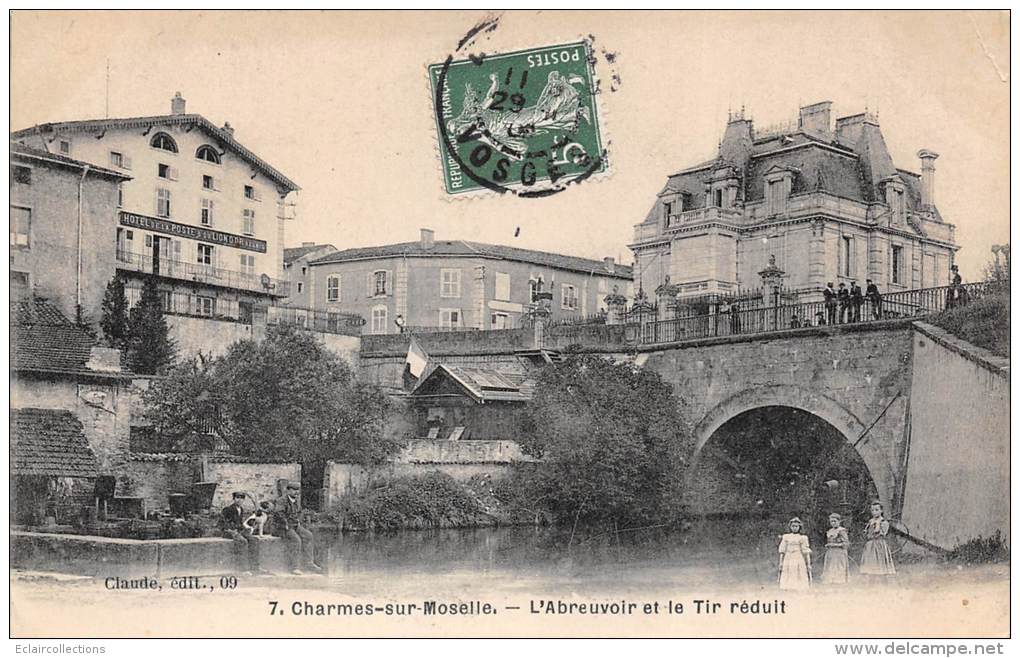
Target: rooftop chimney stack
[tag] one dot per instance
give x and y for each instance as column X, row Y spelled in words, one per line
column 816, row 118
column 428, row 238
column 610, row 264
column 177, row 104
column 307, row 244
column 227, row 128
column 927, row 177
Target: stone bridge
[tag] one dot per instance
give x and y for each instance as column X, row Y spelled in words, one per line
column 875, row 383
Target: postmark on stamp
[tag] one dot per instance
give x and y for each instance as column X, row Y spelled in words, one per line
column 523, row 122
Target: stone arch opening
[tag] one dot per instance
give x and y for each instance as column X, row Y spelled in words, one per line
column 781, row 451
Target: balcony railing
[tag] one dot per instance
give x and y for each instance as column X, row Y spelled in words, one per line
column 207, row 274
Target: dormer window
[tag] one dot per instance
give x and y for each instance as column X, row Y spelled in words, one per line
column 717, row 198
column 163, row 142
column 207, row 153
column 778, row 185
column 668, row 211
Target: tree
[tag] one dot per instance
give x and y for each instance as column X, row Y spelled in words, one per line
column 612, row 442
column 150, row 348
column 114, row 321
column 284, row 397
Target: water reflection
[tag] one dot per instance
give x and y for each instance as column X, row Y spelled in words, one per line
column 711, row 551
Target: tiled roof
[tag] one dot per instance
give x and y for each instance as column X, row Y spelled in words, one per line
column 37, row 154
column 479, row 250
column 44, row 340
column 222, row 135
column 50, row 442
column 291, row 254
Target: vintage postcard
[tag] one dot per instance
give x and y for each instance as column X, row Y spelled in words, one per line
column 687, row 324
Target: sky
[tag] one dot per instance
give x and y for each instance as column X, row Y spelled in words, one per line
column 339, row 102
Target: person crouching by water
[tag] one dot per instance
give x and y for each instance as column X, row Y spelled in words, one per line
column 876, row 560
column 246, row 547
column 287, row 525
column 794, row 558
column 836, row 569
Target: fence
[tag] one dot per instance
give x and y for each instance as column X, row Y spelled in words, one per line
column 329, row 322
column 732, row 319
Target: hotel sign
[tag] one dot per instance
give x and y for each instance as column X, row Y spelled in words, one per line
column 191, row 232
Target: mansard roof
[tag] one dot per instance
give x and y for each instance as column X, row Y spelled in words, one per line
column 224, row 137
column 818, row 162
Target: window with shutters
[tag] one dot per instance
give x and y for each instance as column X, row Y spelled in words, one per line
column 162, row 202
column 21, row 226
column 333, row 288
column 379, row 314
column 207, row 212
column 205, row 306
column 569, row 297
column 116, row 159
column 502, row 286
column 449, row 318
column 379, row 283
column 248, row 264
column 208, row 183
column 205, row 254
column 248, row 217
column 501, row 321
column 249, row 193
column 449, row 282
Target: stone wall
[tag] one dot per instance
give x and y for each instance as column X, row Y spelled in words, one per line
column 957, row 485
column 461, row 460
column 214, row 337
column 103, row 407
column 153, row 477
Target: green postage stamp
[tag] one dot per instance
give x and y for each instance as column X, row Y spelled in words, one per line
column 523, row 122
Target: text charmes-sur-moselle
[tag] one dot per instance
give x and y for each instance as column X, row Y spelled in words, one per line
column 535, row 607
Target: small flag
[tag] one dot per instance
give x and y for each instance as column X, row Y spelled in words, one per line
column 417, row 359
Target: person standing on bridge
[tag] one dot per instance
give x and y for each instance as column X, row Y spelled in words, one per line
column 876, row 560
column 856, row 302
column 874, row 298
column 843, row 296
column 830, row 304
column 795, row 558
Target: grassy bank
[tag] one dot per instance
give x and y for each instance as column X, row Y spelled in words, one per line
column 983, row 322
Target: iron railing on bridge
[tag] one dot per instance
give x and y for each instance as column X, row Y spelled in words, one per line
column 732, row 319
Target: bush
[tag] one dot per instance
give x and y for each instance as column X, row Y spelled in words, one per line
column 435, row 500
column 983, row 322
column 981, row 550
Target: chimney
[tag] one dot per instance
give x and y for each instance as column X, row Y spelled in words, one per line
column 815, row 118
column 610, row 264
column 307, row 244
column 848, row 129
column 227, row 128
column 428, row 238
column 177, row 104
column 927, row 177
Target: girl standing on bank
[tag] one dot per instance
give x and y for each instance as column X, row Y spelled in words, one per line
column 876, row 560
column 794, row 558
column 836, row 569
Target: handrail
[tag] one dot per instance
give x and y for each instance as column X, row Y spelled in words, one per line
column 209, row 274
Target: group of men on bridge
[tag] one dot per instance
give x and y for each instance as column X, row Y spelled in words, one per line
column 844, row 305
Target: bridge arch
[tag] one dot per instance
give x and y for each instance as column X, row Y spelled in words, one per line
column 813, row 402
